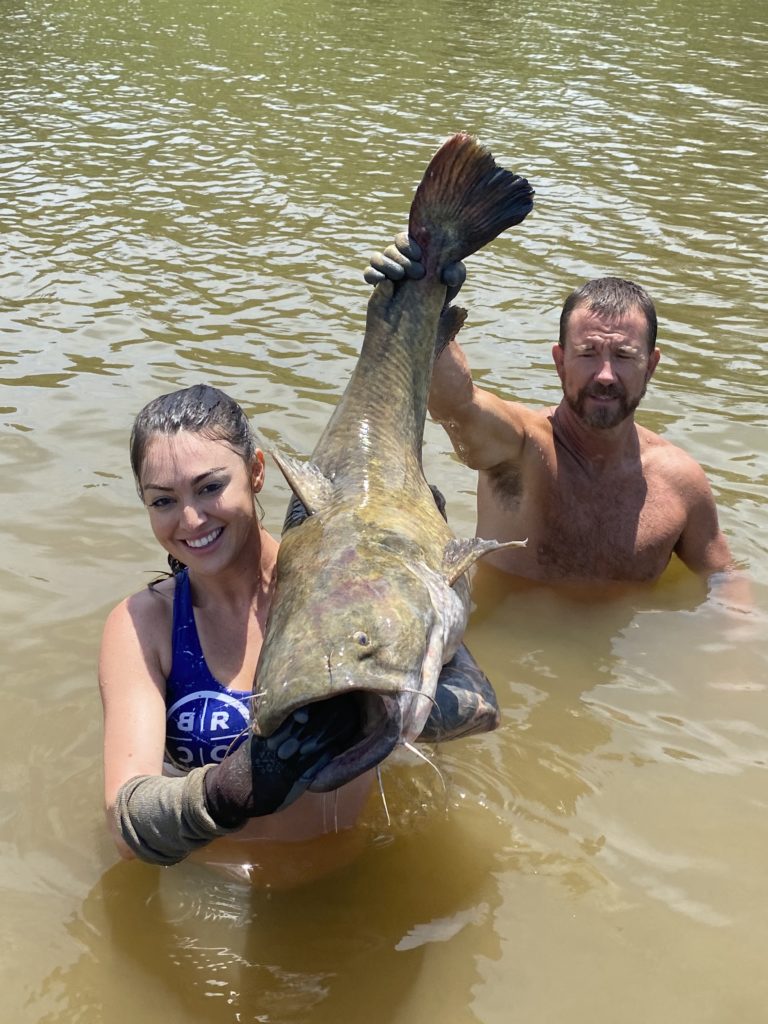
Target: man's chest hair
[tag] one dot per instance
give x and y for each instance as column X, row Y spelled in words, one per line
column 618, row 531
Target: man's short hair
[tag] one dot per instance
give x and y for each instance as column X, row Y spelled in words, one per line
column 613, row 298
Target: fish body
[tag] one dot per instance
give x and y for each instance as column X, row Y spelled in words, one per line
column 372, row 595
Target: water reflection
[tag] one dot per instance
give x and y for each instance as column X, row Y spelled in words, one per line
column 213, row 950
column 593, row 693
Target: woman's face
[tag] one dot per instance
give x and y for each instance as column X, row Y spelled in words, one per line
column 200, row 498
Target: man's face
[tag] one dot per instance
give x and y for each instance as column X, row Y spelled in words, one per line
column 605, row 365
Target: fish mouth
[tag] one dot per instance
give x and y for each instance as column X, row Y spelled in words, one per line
column 372, row 724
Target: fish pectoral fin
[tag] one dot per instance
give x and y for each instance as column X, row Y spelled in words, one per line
column 448, row 326
column 461, row 555
column 311, row 487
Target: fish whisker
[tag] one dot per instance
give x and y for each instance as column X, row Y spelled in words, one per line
column 253, row 696
column 435, row 705
column 381, row 794
column 430, row 762
column 236, row 740
column 420, row 693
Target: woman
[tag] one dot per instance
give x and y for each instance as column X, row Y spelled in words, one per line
column 168, row 708
column 181, row 765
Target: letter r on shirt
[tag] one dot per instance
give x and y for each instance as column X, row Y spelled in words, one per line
column 219, row 720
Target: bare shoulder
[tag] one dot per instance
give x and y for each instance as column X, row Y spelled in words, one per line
column 145, row 611
column 701, row 545
column 673, row 465
column 535, row 426
column 137, row 631
column 538, row 419
column 516, row 426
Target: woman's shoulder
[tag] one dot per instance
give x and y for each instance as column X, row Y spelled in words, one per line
column 146, row 613
column 137, row 637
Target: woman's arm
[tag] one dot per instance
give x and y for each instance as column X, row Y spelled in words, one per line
column 150, row 816
column 161, row 819
column 132, row 684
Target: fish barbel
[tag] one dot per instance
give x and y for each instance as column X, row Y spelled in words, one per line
column 372, row 595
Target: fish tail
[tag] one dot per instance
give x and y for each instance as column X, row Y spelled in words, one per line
column 464, row 201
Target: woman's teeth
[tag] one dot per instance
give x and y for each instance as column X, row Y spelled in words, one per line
column 203, row 542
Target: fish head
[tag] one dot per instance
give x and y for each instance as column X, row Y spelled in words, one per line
column 371, row 637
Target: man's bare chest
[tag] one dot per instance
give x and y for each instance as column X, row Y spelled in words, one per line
column 621, row 526
column 611, row 530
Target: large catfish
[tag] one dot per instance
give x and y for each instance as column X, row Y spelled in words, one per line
column 372, row 595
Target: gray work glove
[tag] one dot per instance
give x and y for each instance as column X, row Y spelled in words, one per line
column 163, row 819
column 465, row 702
column 403, row 259
column 266, row 774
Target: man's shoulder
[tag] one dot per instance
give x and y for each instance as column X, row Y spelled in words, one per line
column 536, row 420
column 673, row 463
column 533, row 431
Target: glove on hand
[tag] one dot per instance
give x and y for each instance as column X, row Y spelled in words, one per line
column 266, row 774
column 465, row 702
column 403, row 259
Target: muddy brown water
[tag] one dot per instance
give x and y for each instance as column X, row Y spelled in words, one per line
column 190, row 193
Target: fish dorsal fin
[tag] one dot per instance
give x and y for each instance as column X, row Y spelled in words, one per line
column 461, row 555
column 311, row 487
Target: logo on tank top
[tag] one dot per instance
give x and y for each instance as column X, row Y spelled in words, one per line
column 203, row 727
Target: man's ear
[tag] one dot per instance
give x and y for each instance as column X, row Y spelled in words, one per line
column 653, row 362
column 257, row 471
column 558, row 357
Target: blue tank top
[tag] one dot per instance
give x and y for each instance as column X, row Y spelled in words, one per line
column 204, row 720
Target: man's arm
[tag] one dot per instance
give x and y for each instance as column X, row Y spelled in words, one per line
column 704, row 549
column 484, row 429
column 701, row 545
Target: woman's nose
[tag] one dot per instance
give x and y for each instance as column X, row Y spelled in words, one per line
column 191, row 515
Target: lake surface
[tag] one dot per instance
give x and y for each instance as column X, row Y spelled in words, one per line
column 190, row 193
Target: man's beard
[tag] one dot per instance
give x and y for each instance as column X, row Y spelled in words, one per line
column 602, row 417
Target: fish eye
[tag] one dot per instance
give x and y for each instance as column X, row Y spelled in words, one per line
column 361, row 638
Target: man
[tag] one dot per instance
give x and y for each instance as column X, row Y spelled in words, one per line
column 598, row 496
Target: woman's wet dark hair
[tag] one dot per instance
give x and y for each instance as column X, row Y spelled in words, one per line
column 201, row 409
column 612, row 297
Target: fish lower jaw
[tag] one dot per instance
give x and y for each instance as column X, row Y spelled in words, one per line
column 380, row 733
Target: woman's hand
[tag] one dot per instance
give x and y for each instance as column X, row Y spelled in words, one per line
column 266, row 774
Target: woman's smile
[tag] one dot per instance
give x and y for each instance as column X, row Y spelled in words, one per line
column 206, row 541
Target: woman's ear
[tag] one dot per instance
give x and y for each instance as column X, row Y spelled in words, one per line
column 257, row 471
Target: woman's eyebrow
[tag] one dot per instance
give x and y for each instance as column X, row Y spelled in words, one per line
column 195, row 480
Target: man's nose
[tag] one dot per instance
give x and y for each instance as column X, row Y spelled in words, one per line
column 605, row 374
